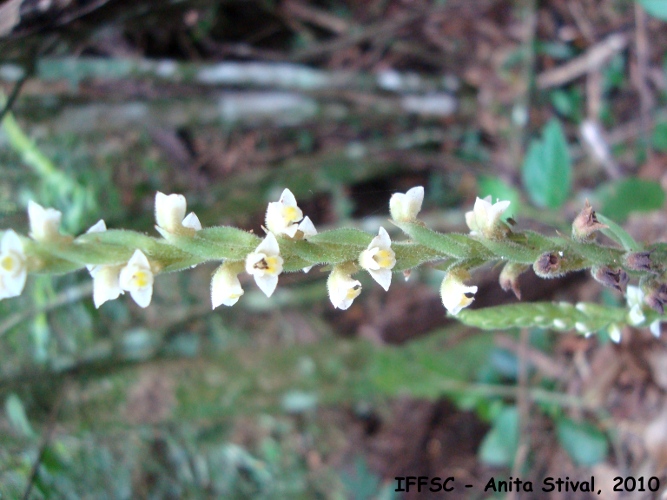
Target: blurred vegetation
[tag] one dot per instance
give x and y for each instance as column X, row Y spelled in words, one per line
column 267, row 399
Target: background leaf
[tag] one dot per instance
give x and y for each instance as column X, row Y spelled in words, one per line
column 620, row 198
column 547, row 168
column 499, row 445
column 657, row 8
column 584, row 442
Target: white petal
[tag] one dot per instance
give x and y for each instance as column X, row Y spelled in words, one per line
column 381, row 241
column 44, row 222
column 307, row 227
column 471, row 221
column 382, row 276
column 225, row 287
column 139, row 259
column 267, row 283
column 655, row 328
column 615, row 334
column 404, row 207
column 342, row 289
column 367, row 261
column 287, row 198
column 269, row 245
column 453, row 293
column 105, row 284
column 192, row 221
column 11, row 243
column 142, row 296
column 169, row 210
column 636, row 316
column 99, row 227
column 634, row 295
column 307, row 269
column 291, row 230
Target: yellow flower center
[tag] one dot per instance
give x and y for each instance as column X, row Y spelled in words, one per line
column 385, row 259
column 353, row 293
column 8, row 263
column 140, row 279
column 291, row 214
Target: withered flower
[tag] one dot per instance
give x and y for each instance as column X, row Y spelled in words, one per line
column 613, row 278
column 586, row 223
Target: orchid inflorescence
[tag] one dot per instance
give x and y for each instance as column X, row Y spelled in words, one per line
column 122, row 261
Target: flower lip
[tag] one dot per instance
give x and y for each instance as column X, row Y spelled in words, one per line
column 404, row 207
column 283, row 216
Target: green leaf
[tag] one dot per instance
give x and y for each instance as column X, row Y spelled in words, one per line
column 618, row 234
column 584, row 442
column 444, row 243
column 547, row 168
column 657, row 8
column 216, row 243
column 500, row 443
column 17, row 417
column 343, row 236
column 620, row 198
column 659, row 137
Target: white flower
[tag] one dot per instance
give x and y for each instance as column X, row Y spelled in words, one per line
column 484, row 218
column 635, row 299
column 342, row 288
column 455, row 294
column 44, row 222
column 13, row 270
column 615, row 334
column 106, row 284
column 170, row 215
column 225, row 285
column 404, row 207
column 283, row 215
column 265, row 264
column 137, row 278
column 379, row 259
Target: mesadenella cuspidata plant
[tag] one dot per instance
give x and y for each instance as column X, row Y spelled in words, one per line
column 122, row 261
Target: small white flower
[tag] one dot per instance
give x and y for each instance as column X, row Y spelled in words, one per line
column 635, row 299
column 404, row 207
column 225, row 285
column 342, row 288
column 13, row 270
column 282, row 216
column 455, row 294
column 170, row 215
column 137, row 278
column 106, row 284
column 265, row 264
column 379, row 259
column 484, row 218
column 44, row 222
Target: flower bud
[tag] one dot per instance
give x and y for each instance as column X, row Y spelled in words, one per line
column 404, row 207
column 548, row 265
column 613, row 278
column 509, row 277
column 655, row 294
column 638, row 261
column 585, row 224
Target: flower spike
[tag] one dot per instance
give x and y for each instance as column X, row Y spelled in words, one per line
column 379, row 259
column 265, row 264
